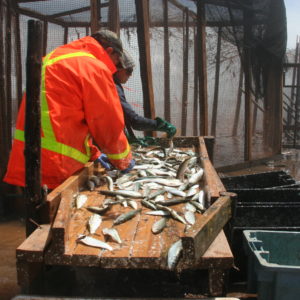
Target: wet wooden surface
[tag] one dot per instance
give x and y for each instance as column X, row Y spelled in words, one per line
column 204, row 243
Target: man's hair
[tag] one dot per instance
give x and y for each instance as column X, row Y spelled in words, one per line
column 108, row 38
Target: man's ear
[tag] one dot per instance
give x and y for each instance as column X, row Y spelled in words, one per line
column 109, row 50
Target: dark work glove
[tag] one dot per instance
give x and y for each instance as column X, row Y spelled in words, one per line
column 103, row 159
column 130, row 167
column 165, row 126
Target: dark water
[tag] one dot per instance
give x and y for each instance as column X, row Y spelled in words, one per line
column 12, row 233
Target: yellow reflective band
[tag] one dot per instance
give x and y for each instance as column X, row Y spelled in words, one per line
column 69, row 55
column 120, row 155
column 87, row 146
column 45, row 118
column 54, row 146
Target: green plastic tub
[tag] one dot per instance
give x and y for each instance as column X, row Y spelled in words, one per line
column 273, row 264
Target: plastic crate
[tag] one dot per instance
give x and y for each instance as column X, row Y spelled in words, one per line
column 270, row 179
column 273, row 264
column 263, row 180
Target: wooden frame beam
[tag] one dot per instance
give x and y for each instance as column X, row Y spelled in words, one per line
column 142, row 12
column 114, row 16
column 95, row 15
column 201, row 41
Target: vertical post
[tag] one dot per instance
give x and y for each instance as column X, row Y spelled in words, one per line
column 32, row 149
column 8, row 63
column 66, row 33
column 201, row 40
column 167, row 103
column 185, row 73
column 239, row 101
column 297, row 107
column 254, row 118
column 95, row 15
column 290, row 109
column 216, row 91
column 18, row 64
column 45, row 37
column 145, row 59
column 3, row 126
column 114, row 16
column 195, row 110
column 247, row 70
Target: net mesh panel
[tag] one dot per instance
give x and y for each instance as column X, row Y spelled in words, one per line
column 266, row 42
column 291, row 102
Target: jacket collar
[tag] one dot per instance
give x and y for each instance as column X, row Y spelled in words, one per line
column 90, row 45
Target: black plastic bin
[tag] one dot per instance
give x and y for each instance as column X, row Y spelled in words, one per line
column 265, row 201
column 264, row 180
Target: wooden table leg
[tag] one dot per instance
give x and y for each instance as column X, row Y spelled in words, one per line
column 216, row 278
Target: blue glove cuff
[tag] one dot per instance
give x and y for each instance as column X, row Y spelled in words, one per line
column 103, row 159
column 130, row 167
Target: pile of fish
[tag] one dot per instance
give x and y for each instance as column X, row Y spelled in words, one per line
column 160, row 179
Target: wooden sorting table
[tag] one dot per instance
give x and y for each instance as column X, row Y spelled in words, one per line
column 204, row 244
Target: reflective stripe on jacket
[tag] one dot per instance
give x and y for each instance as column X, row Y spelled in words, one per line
column 78, row 100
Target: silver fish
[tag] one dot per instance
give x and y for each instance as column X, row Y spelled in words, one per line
column 90, row 185
column 159, row 225
column 190, row 217
column 98, row 209
column 95, row 179
column 148, row 204
column 109, row 181
column 196, row 177
column 94, row 222
column 192, row 190
column 132, row 204
column 80, row 200
column 173, row 201
column 182, row 168
column 184, row 186
column 157, row 213
column 155, row 194
column 142, row 173
column 124, row 193
column 90, row 241
column 200, row 207
column 168, row 182
column 125, row 178
column 174, row 191
column 201, row 199
column 159, row 198
column 113, row 233
column 173, row 213
column 190, row 207
column 126, row 216
column 174, row 254
column 147, row 166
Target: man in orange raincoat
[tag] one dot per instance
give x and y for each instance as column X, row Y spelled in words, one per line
column 76, row 81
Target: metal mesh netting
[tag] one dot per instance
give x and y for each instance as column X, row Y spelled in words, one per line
column 174, row 64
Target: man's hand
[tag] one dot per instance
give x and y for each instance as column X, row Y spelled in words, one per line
column 165, row 126
column 103, row 159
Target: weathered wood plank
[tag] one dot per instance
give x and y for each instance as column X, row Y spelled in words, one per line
column 146, row 247
column 199, row 237
column 60, row 228
column 211, row 178
column 218, row 254
column 32, row 249
column 73, row 183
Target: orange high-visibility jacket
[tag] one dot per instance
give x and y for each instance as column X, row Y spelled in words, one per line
column 78, row 101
